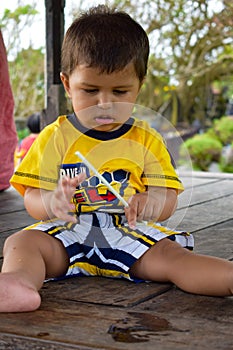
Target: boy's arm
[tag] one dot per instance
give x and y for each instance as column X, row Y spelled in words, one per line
column 43, row 205
column 156, row 204
column 37, row 203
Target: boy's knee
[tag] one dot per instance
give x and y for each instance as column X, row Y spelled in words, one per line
column 167, row 248
column 9, row 242
column 15, row 239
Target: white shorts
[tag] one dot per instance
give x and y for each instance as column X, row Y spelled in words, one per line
column 102, row 244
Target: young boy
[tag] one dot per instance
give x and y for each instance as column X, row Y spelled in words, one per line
column 104, row 63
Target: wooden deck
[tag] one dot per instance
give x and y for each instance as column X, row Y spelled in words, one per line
column 99, row 313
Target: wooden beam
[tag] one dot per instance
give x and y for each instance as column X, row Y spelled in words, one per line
column 55, row 103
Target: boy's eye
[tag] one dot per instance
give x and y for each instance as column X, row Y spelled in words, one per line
column 91, row 91
column 120, row 92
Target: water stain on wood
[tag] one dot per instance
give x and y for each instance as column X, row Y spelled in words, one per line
column 138, row 327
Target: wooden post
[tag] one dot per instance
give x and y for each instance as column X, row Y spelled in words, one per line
column 55, row 102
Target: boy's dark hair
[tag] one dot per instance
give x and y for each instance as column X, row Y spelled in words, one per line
column 33, row 123
column 106, row 39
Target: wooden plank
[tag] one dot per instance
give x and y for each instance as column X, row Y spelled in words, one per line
column 98, row 313
column 3, row 237
column 192, row 181
column 204, row 175
column 15, row 221
column 13, row 216
column 204, row 193
column 10, row 201
column 16, row 342
column 174, row 320
column 208, row 174
column 200, row 322
column 202, row 215
column 216, row 240
column 82, row 325
column 104, row 291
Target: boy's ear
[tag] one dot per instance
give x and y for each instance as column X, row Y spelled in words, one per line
column 65, row 82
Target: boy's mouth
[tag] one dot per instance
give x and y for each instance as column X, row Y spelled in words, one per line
column 103, row 120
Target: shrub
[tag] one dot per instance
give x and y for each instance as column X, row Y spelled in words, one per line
column 222, row 129
column 226, row 162
column 203, row 150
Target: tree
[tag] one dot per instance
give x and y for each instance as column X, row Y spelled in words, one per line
column 27, row 79
column 26, row 66
column 191, row 48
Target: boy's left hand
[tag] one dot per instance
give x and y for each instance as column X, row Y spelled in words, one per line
column 153, row 205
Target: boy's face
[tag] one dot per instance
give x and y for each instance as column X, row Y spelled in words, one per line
column 112, row 96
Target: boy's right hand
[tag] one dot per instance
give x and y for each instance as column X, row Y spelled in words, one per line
column 60, row 201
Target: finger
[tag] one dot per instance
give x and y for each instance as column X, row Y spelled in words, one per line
column 68, row 188
column 64, row 184
column 131, row 212
column 77, row 180
column 63, row 209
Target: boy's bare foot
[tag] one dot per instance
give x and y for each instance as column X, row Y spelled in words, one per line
column 15, row 295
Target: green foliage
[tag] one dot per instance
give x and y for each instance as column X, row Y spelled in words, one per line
column 14, row 23
column 20, row 14
column 203, row 150
column 26, row 66
column 192, row 46
column 216, row 145
column 222, row 130
column 27, row 80
column 22, row 133
column 226, row 168
column 226, row 163
column 17, row 13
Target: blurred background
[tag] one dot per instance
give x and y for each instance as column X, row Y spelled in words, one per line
column 190, row 75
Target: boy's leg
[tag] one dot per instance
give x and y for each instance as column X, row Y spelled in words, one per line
column 29, row 257
column 199, row 274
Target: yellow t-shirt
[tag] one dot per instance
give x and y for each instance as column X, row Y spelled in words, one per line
column 130, row 158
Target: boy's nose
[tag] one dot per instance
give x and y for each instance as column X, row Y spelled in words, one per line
column 105, row 101
column 105, row 106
